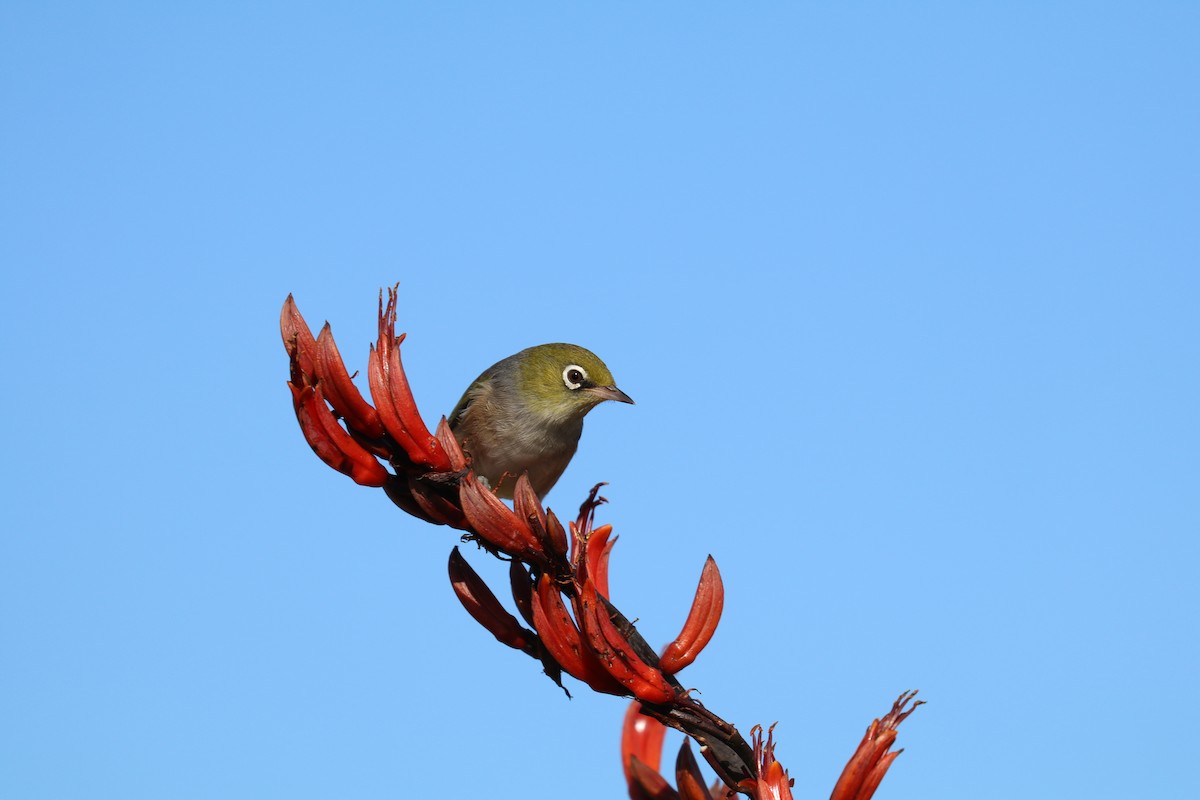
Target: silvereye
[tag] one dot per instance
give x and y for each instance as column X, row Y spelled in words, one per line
column 525, row 413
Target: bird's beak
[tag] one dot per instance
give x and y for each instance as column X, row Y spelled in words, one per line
column 610, row 393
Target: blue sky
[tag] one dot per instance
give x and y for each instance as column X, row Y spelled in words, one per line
column 907, row 299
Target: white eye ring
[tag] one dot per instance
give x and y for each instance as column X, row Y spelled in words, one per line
column 574, row 376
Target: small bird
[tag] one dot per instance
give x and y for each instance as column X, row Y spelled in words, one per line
column 525, row 413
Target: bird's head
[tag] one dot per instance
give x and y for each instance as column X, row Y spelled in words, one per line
column 564, row 381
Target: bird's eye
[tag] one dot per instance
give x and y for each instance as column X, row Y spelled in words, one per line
column 574, row 376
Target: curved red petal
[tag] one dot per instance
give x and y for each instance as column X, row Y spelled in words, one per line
column 701, row 622
column 596, row 553
column 529, row 509
column 388, row 416
column 437, row 508
column 866, row 768
column 481, row 603
column 557, row 536
column 299, row 343
column 774, row 783
column 340, row 390
column 563, row 642
column 647, row 784
column 521, row 584
column 458, row 460
column 420, row 445
column 689, row 780
column 331, row 442
column 875, row 776
column 641, row 736
column 496, row 523
column 616, row 655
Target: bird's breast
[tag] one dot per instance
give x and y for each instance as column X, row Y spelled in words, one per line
column 518, row 444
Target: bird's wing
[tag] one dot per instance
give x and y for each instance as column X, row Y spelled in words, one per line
column 476, row 391
column 460, row 410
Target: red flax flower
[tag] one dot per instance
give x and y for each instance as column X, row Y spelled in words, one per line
column 558, row 574
column 641, row 755
column 871, row 760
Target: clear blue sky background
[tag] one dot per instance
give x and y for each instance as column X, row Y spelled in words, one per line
column 908, row 298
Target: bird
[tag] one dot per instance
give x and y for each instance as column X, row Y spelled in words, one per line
column 524, row 414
